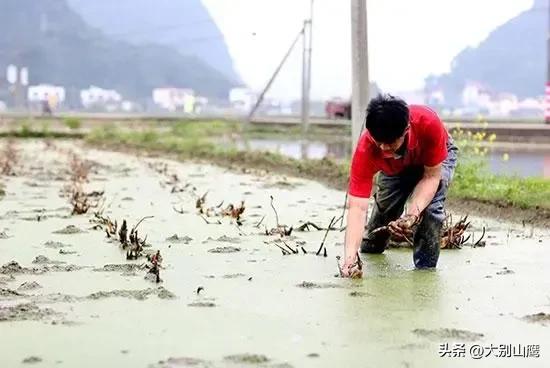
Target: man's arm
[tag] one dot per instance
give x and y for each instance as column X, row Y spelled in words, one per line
column 422, row 196
column 425, row 190
column 357, row 216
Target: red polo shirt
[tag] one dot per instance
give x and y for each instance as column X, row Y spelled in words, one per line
column 426, row 146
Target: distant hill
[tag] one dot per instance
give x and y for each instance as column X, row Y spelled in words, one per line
column 511, row 59
column 59, row 47
column 183, row 24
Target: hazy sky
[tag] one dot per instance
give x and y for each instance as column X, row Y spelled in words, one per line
column 408, row 39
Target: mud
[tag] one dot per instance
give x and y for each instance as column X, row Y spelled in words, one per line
column 246, row 359
column 359, row 294
column 224, row 250
column 32, row 285
column 313, row 285
column 446, row 334
column 25, row 312
column 14, row 268
column 8, row 293
column 542, row 318
column 5, row 279
column 11, row 268
column 160, row 292
column 63, row 268
column 182, row 363
column 69, row 230
column 55, row 298
column 347, row 323
column 234, row 275
column 125, row 267
column 179, row 239
column 202, row 304
column 505, row 271
column 224, row 239
column 281, row 185
column 56, row 245
column 32, row 360
column 412, row 346
column 41, row 259
column 230, row 361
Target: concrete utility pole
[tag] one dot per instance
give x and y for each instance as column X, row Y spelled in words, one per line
column 360, row 68
column 305, row 94
column 309, row 58
column 306, row 69
column 547, row 87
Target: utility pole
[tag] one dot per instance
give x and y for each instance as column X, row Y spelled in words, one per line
column 12, row 76
column 305, row 117
column 306, row 69
column 360, row 68
column 272, row 79
column 547, row 88
column 24, row 83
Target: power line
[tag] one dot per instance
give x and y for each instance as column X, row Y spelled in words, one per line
column 279, row 67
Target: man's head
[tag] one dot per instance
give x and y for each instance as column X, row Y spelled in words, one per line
column 388, row 122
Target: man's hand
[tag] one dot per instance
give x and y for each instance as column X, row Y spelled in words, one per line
column 357, row 215
column 402, row 227
column 353, row 267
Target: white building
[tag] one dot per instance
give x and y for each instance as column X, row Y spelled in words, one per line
column 530, row 107
column 436, row 97
column 96, row 96
column 173, row 99
column 476, row 95
column 242, row 99
column 504, row 104
column 46, row 92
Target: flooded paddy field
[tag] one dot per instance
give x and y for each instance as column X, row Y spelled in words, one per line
column 226, row 295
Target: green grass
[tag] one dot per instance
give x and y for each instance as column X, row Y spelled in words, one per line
column 190, row 143
column 203, row 129
column 42, row 128
column 201, row 140
column 472, row 180
column 25, row 132
column 189, row 129
column 72, row 123
column 314, row 132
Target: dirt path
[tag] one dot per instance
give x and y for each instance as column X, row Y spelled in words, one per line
column 64, row 284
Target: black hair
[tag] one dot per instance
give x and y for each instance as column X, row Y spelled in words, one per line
column 387, row 118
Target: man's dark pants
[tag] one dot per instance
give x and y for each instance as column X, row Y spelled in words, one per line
column 390, row 198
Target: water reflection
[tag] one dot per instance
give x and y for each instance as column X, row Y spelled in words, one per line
column 521, row 163
column 300, row 149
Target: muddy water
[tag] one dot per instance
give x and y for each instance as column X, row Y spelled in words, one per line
column 257, row 307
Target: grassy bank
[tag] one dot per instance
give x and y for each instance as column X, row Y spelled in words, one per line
column 194, row 141
column 42, row 135
column 215, row 142
column 67, row 129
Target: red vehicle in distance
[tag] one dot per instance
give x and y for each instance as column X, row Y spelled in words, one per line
column 338, row 108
